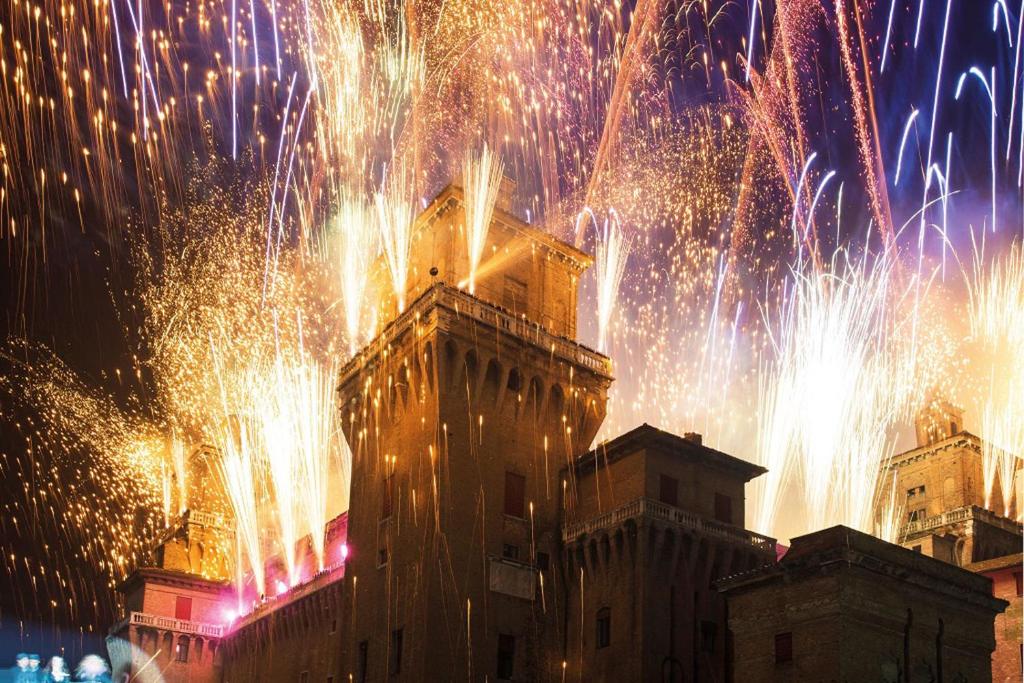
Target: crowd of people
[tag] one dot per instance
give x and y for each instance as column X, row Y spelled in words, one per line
column 28, row 669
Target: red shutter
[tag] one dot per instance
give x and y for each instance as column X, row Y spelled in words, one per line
column 183, row 608
column 515, row 491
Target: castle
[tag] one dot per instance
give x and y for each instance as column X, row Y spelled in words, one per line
column 487, row 538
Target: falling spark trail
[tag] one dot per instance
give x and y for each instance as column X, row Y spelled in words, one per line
column 903, row 143
column 989, row 85
column 888, row 34
column 482, row 176
column 750, row 38
column 255, row 39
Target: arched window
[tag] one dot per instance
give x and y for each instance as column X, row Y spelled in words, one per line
column 181, row 654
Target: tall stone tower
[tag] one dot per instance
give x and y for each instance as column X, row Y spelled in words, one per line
column 460, row 416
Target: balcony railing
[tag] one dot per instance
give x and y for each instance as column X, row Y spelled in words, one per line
column 327, row 575
column 958, row 516
column 197, row 628
column 652, row 509
column 464, row 304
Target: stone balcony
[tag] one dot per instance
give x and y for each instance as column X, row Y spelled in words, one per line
column 968, row 513
column 154, row 621
column 649, row 509
column 455, row 304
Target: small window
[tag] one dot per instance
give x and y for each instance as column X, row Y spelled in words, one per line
column 387, row 502
column 364, row 650
column 510, row 552
column 382, row 557
column 334, row 625
column 783, row 647
column 604, row 627
column 395, row 660
column 1017, row 579
column 916, row 549
column 543, row 561
column 304, row 677
column 723, row 508
column 954, row 428
column 917, row 515
column 515, row 491
column 183, row 608
column 708, row 631
column 182, row 652
column 506, row 656
column 669, row 490
column 916, row 491
column 330, row 679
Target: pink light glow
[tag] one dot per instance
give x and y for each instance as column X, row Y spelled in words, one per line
column 344, row 552
column 281, row 587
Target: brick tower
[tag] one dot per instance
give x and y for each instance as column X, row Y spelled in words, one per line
column 460, row 415
column 176, row 607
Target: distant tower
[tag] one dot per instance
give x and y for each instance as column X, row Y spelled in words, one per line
column 938, row 420
column 460, row 415
column 938, row 490
column 175, row 610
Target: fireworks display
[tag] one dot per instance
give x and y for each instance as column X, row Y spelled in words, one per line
column 806, row 219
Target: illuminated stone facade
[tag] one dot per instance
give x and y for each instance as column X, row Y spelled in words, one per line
column 174, row 621
column 947, row 514
column 845, row 606
column 486, row 539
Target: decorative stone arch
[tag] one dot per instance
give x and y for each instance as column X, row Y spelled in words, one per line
column 536, row 397
column 491, row 388
column 426, row 365
column 452, row 367
column 556, row 403
column 471, row 363
column 181, row 652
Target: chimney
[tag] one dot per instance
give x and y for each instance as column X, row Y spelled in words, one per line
column 694, row 438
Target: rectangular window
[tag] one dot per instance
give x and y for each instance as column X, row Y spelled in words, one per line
column 543, row 561
column 304, row 677
column 382, row 557
column 917, row 515
column 1018, row 579
column 783, row 647
column 916, row 549
column 506, row 656
column 387, row 502
column 915, row 491
column 334, row 625
column 510, row 552
column 723, row 508
column 364, row 651
column 515, row 492
column 395, row 663
column 604, row 627
column 183, row 608
column 669, row 490
column 708, row 631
